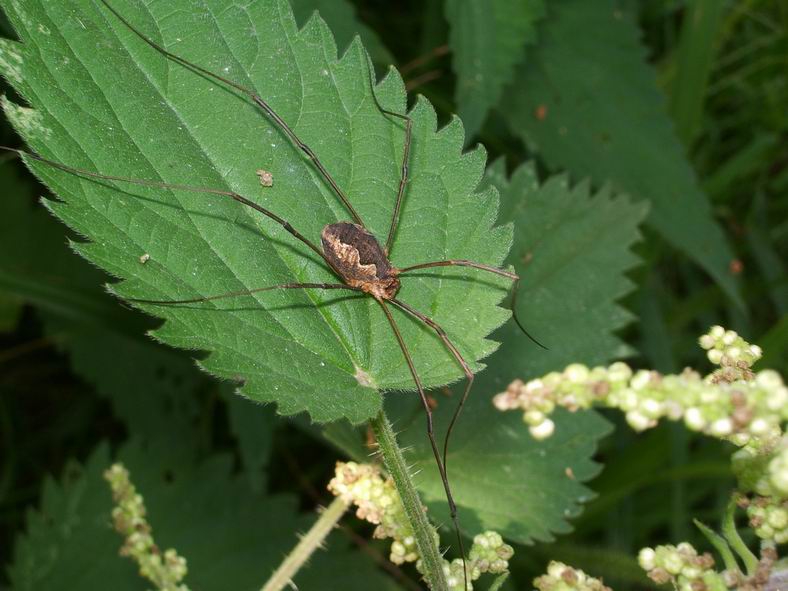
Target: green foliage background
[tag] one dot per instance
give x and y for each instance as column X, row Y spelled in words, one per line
column 639, row 173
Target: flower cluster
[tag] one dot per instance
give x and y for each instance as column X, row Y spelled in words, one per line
column 768, row 517
column 166, row 570
column 378, row 502
column 683, row 567
column 561, row 577
column 489, row 554
column 733, row 354
column 731, row 403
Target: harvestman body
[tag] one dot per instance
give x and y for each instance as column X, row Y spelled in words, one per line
column 348, row 248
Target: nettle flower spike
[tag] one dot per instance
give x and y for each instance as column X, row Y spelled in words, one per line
column 165, row 570
column 732, row 403
column 561, row 577
column 378, row 502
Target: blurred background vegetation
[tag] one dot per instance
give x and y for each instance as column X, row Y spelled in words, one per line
column 722, row 68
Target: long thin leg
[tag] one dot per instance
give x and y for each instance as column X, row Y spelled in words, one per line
column 158, row 184
column 460, row 263
column 430, row 433
column 481, row 267
column 403, row 179
column 257, row 99
column 457, row 355
column 243, row 292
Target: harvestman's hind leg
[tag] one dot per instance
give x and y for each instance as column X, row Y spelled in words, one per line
column 457, row 355
column 257, row 100
column 430, row 431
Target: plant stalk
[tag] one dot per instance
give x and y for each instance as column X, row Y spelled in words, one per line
column 424, row 532
column 328, row 519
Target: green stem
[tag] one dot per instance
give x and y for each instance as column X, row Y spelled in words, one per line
column 306, row 547
column 431, row 560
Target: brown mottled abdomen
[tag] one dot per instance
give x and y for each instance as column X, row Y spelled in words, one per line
column 356, row 254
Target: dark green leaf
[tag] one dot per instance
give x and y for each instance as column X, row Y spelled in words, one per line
column 231, row 537
column 253, row 426
column 693, row 61
column 150, row 386
column 572, row 251
column 589, row 103
column 487, row 39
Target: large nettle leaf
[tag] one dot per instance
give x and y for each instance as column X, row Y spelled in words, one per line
column 104, row 100
column 572, row 250
column 587, row 99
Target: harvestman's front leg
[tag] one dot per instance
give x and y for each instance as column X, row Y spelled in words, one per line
column 457, row 355
column 430, row 431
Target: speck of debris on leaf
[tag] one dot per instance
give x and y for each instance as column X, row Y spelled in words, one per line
column 145, row 258
column 266, row 178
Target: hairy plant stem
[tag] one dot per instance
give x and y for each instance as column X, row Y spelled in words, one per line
column 424, row 532
column 313, row 539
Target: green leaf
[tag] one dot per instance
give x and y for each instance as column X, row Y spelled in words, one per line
column 487, row 40
column 720, row 545
column 340, row 16
column 589, row 104
column 231, row 537
column 572, row 252
column 149, row 385
column 693, row 59
column 106, row 101
column 253, row 426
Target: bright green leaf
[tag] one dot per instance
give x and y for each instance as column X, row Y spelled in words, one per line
column 231, row 537
column 488, row 40
column 105, row 100
column 587, row 100
column 572, row 251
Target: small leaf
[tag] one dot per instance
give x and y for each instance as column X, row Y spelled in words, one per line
column 231, row 537
column 572, row 252
column 720, row 545
column 590, row 105
column 487, row 39
column 104, row 100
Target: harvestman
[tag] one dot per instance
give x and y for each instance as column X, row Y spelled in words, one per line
column 351, row 252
